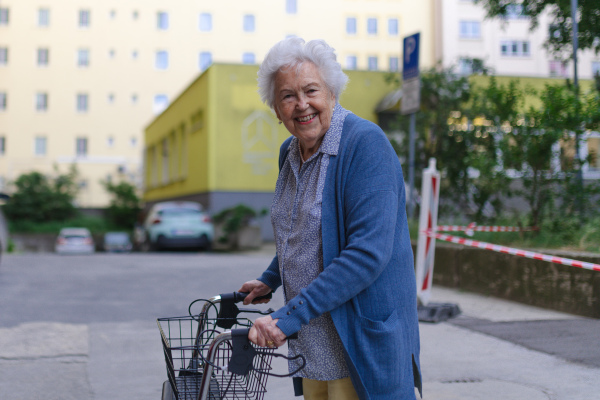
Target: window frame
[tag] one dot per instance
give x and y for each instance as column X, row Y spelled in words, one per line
column 291, row 7
column 351, row 26
column 3, row 55
column 352, row 62
column 393, row 27
column 372, row 28
column 43, row 19
column 82, row 103
column 370, row 60
column 81, row 146
column 83, row 20
column 45, row 60
column 161, row 60
column 249, row 23
column 83, row 58
column 205, row 22
column 4, row 16
column 203, row 63
column 41, row 102
column 469, row 32
column 40, row 146
column 162, row 20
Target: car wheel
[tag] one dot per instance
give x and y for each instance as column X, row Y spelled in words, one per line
column 205, row 243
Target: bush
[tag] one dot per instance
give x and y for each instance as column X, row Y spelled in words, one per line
column 39, row 198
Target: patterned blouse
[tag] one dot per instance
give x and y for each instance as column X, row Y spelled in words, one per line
column 296, row 219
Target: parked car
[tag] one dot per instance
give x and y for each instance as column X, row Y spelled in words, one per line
column 117, row 242
column 74, row 241
column 177, row 224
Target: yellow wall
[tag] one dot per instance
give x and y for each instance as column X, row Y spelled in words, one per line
column 237, row 148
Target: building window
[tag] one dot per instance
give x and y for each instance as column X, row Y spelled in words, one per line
column 393, row 61
column 515, row 11
column 3, row 16
column 83, row 57
column 162, row 20
column 112, row 14
column 557, row 69
column 162, row 59
column 42, row 57
column 134, row 54
column 372, row 26
column 84, row 18
column 110, row 142
column 393, row 27
column 134, row 98
column 82, row 102
column 351, row 26
column 291, row 6
column 2, row 101
column 514, row 48
column 81, row 146
column 372, row 63
column 41, row 101
column 43, row 17
column 595, row 68
column 135, row 14
column 351, row 62
column 205, row 22
column 133, row 141
column 465, row 66
column 248, row 58
column 3, row 55
column 111, row 98
column 249, row 25
column 205, row 60
column 470, row 29
column 161, row 102
column 2, row 145
column 111, row 53
column 40, row 146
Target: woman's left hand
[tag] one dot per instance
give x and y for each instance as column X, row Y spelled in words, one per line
column 265, row 333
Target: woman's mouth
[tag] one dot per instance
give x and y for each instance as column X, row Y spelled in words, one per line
column 306, row 119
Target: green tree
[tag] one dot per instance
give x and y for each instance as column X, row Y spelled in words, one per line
column 559, row 40
column 125, row 204
column 40, row 198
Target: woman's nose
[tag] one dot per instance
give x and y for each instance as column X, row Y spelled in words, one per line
column 302, row 102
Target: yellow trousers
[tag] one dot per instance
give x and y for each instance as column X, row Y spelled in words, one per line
column 339, row 389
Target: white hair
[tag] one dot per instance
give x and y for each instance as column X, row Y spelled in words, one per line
column 294, row 51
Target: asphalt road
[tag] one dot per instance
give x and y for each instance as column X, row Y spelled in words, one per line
column 84, row 328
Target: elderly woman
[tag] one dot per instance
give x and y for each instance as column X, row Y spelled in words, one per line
column 344, row 257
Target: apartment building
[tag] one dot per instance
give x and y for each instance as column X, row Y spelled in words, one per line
column 81, row 79
column 508, row 47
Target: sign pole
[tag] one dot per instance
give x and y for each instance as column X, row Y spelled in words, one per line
column 411, row 103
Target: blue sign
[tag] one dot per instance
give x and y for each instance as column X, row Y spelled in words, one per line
column 410, row 57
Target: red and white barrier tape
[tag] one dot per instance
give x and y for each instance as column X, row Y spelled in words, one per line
column 459, row 228
column 513, row 251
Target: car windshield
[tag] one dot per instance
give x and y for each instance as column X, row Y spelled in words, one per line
column 167, row 212
column 116, row 238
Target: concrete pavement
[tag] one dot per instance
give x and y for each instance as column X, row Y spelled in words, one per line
column 496, row 349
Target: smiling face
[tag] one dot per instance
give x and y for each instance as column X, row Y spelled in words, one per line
column 304, row 104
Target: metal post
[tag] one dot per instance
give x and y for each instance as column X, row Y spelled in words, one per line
column 579, row 177
column 411, row 165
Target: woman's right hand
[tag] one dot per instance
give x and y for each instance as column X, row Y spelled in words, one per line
column 255, row 288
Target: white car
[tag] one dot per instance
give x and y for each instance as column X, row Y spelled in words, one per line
column 178, row 224
column 74, row 241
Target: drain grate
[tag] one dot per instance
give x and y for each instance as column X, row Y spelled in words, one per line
column 464, row 380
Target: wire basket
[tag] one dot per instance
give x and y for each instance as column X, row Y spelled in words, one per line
column 186, row 341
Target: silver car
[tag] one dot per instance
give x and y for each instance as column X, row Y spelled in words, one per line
column 74, row 241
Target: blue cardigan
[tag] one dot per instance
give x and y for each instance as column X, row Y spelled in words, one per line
column 368, row 282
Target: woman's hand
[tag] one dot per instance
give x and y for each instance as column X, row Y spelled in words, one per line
column 255, row 288
column 265, row 333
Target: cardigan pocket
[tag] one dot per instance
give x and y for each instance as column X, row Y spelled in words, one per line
column 383, row 352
